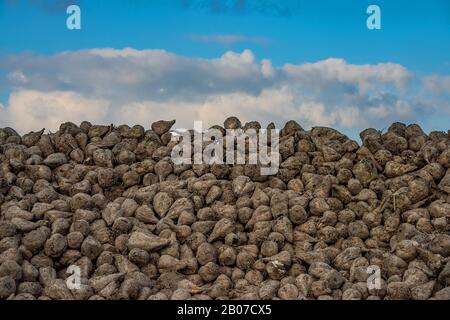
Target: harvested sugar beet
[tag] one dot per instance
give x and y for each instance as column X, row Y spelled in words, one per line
column 95, row 212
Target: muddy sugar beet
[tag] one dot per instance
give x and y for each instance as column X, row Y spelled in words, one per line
column 95, row 212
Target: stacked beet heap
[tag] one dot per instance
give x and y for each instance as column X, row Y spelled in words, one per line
column 338, row 220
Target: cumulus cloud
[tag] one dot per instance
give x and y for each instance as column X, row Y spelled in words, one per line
column 108, row 85
column 437, row 84
column 338, row 71
column 140, row 74
column 17, row 77
column 31, row 110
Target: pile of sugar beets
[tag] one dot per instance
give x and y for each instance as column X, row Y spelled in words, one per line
column 109, row 200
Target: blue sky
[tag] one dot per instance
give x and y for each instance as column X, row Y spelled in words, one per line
column 296, row 31
column 415, row 35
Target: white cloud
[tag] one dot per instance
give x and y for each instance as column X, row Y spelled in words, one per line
column 437, row 84
column 140, row 86
column 266, row 68
column 338, row 70
column 2, row 115
column 18, row 77
column 317, row 114
column 33, row 110
column 351, row 117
